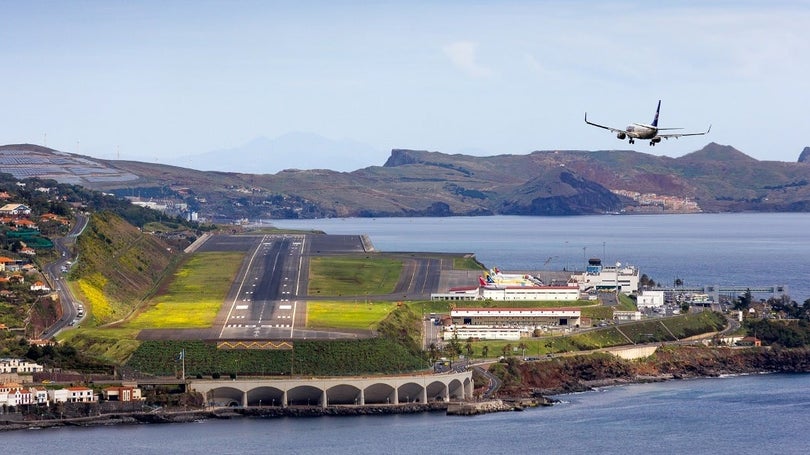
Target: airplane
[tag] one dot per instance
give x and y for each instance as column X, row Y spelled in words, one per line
column 642, row 131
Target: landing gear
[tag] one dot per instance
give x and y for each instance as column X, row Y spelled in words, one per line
column 652, row 143
column 631, row 141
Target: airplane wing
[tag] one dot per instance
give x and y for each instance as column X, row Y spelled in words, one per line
column 609, row 128
column 677, row 135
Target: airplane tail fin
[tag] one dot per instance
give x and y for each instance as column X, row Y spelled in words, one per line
column 655, row 120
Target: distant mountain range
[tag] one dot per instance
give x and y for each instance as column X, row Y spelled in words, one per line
column 290, row 151
column 717, row 178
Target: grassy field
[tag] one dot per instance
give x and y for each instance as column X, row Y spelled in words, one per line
column 467, row 263
column 347, row 315
column 339, row 276
column 194, row 295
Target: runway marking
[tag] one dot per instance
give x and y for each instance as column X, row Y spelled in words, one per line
column 242, row 283
column 285, row 307
column 242, row 307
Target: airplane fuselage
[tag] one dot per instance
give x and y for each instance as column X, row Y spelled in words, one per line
column 641, row 131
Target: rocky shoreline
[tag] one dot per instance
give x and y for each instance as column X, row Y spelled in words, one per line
column 184, row 416
column 525, row 384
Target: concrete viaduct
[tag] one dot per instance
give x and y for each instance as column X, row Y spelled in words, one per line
column 325, row 392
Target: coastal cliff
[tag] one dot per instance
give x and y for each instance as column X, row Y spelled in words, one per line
column 583, row 372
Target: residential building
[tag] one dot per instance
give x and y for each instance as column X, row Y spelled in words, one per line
column 19, row 366
column 15, row 209
column 122, row 393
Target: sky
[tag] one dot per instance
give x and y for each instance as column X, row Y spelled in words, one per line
column 156, row 80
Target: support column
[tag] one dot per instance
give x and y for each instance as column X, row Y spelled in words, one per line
column 362, row 397
column 446, row 393
column 284, row 399
column 324, row 399
column 244, row 399
column 423, row 395
column 396, row 395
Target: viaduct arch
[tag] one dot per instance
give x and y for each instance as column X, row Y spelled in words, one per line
column 325, row 392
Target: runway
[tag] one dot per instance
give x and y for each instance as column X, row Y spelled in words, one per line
column 268, row 298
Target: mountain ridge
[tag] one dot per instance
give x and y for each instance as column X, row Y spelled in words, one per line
column 716, row 178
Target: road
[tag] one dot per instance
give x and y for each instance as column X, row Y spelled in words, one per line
column 56, row 278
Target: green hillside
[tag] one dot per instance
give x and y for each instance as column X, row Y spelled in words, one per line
column 119, row 266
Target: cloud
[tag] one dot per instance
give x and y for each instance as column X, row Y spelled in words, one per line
column 463, row 55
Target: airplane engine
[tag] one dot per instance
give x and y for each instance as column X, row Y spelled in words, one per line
column 621, row 135
column 655, row 140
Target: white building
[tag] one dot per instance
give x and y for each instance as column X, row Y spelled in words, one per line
column 597, row 277
column 508, row 323
column 531, row 293
column 72, row 395
column 650, row 299
column 13, row 394
column 19, row 366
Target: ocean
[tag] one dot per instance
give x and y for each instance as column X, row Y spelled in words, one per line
column 746, row 249
column 741, row 415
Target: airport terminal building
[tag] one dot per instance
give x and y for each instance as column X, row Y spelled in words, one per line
column 508, row 323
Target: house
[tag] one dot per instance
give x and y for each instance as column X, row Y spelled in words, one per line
column 24, row 223
column 15, row 210
column 14, row 394
column 750, row 341
column 28, row 251
column 20, row 366
column 80, row 395
column 122, row 393
column 4, row 262
column 40, row 286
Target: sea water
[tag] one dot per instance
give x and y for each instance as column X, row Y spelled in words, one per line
column 756, row 414
column 741, row 249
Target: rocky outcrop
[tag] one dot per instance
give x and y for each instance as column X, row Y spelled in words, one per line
column 804, row 157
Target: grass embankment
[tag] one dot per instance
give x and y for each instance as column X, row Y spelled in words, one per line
column 194, row 295
column 120, row 267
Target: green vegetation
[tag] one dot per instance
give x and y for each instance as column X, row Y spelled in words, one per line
column 349, row 275
column 347, row 315
column 467, row 263
column 119, row 268
column 110, row 345
column 195, row 294
column 395, row 351
column 785, row 333
column 650, row 331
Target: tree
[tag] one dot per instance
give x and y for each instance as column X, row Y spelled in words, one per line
column 484, row 351
column 468, row 348
column 678, row 282
column 744, row 301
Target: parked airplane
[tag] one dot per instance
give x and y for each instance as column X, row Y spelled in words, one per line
column 642, row 131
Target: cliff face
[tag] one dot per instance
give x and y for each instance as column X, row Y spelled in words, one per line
column 804, row 157
column 578, row 373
